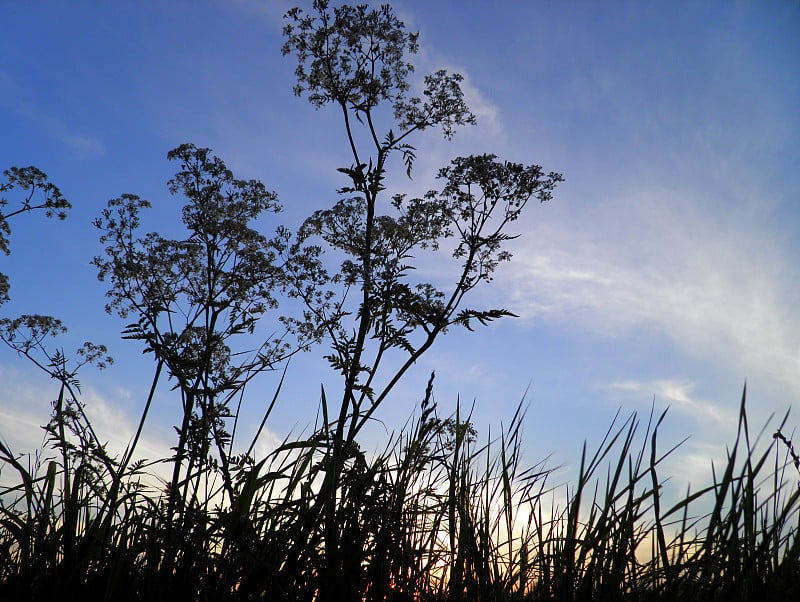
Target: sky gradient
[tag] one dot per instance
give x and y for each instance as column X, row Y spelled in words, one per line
column 665, row 271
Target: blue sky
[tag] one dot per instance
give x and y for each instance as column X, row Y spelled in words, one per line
column 666, row 269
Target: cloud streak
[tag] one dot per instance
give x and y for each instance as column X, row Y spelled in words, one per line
column 717, row 287
column 53, row 125
column 679, row 396
column 26, row 406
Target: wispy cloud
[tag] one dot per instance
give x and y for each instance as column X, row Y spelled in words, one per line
column 487, row 114
column 87, row 145
column 680, row 396
column 25, row 406
column 15, row 98
column 716, row 286
column 691, row 465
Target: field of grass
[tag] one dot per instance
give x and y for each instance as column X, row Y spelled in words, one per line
column 439, row 514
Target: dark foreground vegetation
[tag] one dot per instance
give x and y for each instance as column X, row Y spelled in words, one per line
column 434, row 516
column 440, row 513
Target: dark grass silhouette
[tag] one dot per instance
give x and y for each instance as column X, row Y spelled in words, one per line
column 436, row 515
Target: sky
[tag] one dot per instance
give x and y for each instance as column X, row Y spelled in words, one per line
column 665, row 272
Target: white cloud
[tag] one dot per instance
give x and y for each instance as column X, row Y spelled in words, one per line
column 489, row 135
column 718, row 286
column 487, row 114
column 267, row 443
column 25, row 406
column 680, row 397
column 86, row 145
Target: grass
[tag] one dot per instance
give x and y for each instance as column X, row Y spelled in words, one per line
column 436, row 515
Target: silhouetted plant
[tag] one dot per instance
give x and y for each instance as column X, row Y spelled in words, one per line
column 192, row 299
column 357, row 59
